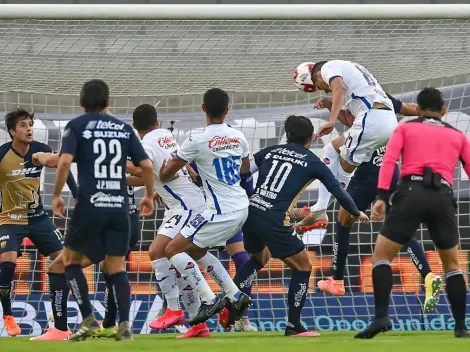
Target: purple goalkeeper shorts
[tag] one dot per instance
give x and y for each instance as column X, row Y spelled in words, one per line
column 237, row 238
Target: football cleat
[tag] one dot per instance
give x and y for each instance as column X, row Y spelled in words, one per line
column 378, row 325
column 461, row 333
column 53, row 334
column 12, row 327
column 199, row 330
column 169, row 319
column 234, row 310
column 432, row 284
column 330, row 285
column 206, row 311
column 298, row 214
column 109, row 333
column 299, row 331
column 244, row 325
column 88, row 328
column 316, row 220
column 124, row 332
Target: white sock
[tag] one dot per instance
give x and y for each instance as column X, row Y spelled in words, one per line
column 217, row 272
column 344, row 177
column 189, row 270
column 166, row 279
column 189, row 297
column 331, row 159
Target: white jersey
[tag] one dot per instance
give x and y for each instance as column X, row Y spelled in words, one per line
column 181, row 193
column 218, row 153
column 362, row 89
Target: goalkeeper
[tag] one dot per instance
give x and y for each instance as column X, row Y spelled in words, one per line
column 363, row 190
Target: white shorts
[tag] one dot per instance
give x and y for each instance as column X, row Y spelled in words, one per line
column 368, row 133
column 174, row 220
column 208, row 230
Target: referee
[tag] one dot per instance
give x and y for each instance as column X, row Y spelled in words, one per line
column 430, row 150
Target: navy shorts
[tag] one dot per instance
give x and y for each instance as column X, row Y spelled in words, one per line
column 96, row 235
column 40, row 230
column 363, row 185
column 259, row 232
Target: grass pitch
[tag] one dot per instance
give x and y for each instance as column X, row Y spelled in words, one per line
column 253, row 342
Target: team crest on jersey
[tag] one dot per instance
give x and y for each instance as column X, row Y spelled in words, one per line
column 210, row 268
column 218, row 143
column 167, row 142
column 326, row 161
column 189, row 266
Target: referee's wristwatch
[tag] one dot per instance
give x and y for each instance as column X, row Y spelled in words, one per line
column 383, row 194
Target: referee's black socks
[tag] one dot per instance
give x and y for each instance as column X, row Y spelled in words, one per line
column 457, row 293
column 383, row 281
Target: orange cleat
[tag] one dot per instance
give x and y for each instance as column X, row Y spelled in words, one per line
column 298, row 214
column 335, row 287
column 167, row 320
column 199, row 330
column 10, row 324
column 53, row 334
column 315, row 220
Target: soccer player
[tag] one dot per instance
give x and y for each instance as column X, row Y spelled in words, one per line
column 352, row 86
column 284, row 172
column 22, row 213
column 236, row 251
column 363, row 190
column 424, row 195
column 100, row 145
column 183, row 200
column 221, row 154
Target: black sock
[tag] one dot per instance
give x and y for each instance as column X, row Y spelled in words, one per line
column 383, row 281
column 414, row 248
column 247, row 273
column 457, row 293
column 122, row 294
column 7, row 275
column 110, row 307
column 340, row 250
column 59, row 294
column 296, row 297
column 79, row 286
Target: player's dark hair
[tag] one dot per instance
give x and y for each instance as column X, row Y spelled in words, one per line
column 430, row 99
column 144, row 117
column 94, row 96
column 318, row 66
column 216, row 101
column 13, row 117
column 298, row 129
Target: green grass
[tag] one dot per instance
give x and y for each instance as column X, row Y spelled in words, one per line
column 253, row 342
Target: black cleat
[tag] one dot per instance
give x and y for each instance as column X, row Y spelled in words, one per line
column 299, row 331
column 378, row 325
column 462, row 333
column 206, row 311
column 236, row 308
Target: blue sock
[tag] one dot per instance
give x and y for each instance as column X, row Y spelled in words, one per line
column 7, row 274
column 340, row 250
column 122, row 294
column 414, row 248
column 79, row 286
column 247, row 273
column 296, row 297
column 110, row 308
column 59, row 294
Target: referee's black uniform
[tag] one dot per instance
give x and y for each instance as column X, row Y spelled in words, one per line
column 430, row 150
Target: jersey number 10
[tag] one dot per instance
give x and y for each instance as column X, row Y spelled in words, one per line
column 113, row 147
column 276, row 179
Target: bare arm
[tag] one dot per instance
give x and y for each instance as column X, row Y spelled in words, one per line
column 46, row 159
column 338, row 91
column 169, row 169
column 63, row 171
column 133, row 170
column 134, row 181
column 245, row 167
column 409, row 109
column 147, row 176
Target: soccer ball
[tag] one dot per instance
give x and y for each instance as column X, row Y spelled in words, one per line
column 303, row 77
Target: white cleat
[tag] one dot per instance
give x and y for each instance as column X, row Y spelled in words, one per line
column 244, row 325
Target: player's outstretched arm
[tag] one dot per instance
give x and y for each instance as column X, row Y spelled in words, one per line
column 46, row 159
column 169, row 169
column 345, row 117
column 146, row 204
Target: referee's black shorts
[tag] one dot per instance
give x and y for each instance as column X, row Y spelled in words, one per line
column 413, row 204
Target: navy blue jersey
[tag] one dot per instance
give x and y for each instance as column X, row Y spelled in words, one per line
column 284, row 172
column 100, row 144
